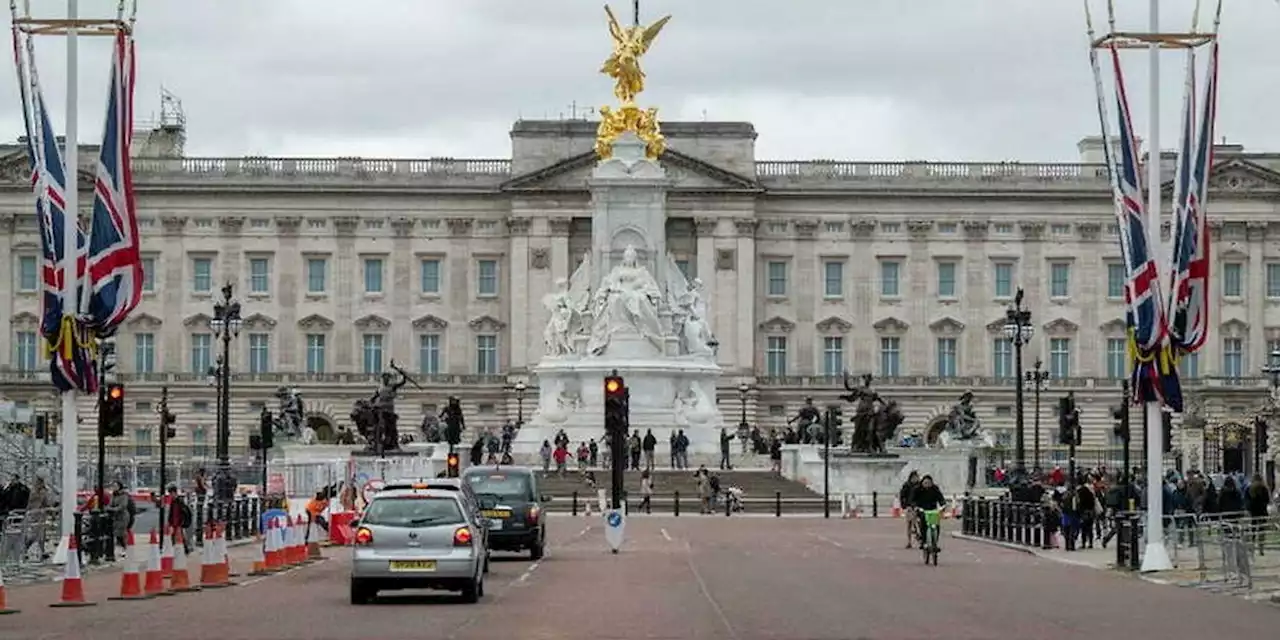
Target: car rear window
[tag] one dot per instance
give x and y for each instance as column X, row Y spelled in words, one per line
column 412, row 511
column 504, row 485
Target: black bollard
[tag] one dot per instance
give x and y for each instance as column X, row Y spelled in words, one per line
column 728, row 505
column 777, row 504
column 875, row 504
column 575, row 503
column 675, row 504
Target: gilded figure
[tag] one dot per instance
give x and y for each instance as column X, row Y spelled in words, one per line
column 629, row 46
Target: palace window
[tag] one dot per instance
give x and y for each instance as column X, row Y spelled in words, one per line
column 487, row 355
column 890, row 278
column 315, row 353
column 1232, row 357
column 144, row 353
column 487, row 278
column 1004, row 279
column 28, row 273
column 775, row 356
column 1002, row 358
column 149, row 274
column 1273, row 280
column 1233, row 280
column 371, row 351
column 890, row 357
column 201, row 353
column 202, row 275
column 25, row 349
column 946, row 279
column 833, row 279
column 1115, row 280
column 832, row 355
column 317, row 275
column 1060, row 358
column 259, row 275
column 1117, row 358
column 948, row 357
column 259, row 353
column 1060, row 280
column 430, row 276
column 429, row 354
column 373, row 275
column 776, row 278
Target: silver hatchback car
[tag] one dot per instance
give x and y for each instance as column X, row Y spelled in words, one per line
column 417, row 538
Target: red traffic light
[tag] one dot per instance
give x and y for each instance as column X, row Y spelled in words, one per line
column 613, row 385
column 452, row 460
column 115, row 392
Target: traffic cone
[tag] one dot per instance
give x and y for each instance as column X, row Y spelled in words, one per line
column 290, row 544
column 259, row 557
column 274, row 562
column 72, row 581
column 166, row 556
column 153, row 581
column 208, row 565
column 226, row 554
column 4, row 605
column 313, row 541
column 223, row 560
column 180, row 579
column 896, row 511
column 130, row 581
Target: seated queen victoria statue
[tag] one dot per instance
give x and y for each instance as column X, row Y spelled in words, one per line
column 627, row 300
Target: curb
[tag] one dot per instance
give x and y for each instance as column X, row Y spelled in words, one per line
column 1035, row 552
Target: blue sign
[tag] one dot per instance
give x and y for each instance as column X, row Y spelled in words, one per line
column 615, row 519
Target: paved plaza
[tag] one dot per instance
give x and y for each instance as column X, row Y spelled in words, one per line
column 688, row 577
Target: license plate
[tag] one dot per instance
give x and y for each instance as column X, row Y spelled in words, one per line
column 496, row 514
column 413, row 565
column 495, row 525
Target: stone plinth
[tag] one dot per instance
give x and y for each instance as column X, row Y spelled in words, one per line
column 858, row 475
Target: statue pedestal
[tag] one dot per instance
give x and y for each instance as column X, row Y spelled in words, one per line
column 859, row 475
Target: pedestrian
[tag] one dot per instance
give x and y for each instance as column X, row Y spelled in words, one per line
column 316, row 508
column 725, row 440
column 545, row 454
column 1087, row 506
column 646, row 491
column 123, row 511
column 180, row 517
column 649, row 446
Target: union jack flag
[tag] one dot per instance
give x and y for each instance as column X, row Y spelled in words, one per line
column 115, row 263
column 1154, row 378
column 1189, row 287
column 66, row 340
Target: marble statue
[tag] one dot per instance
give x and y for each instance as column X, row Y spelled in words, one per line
column 627, row 299
column 690, row 319
column 569, row 306
column 692, row 407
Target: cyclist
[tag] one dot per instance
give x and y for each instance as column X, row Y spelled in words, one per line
column 926, row 497
column 908, row 507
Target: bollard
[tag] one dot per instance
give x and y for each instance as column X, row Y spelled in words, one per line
column 1046, row 539
column 675, row 504
column 777, row 504
column 728, row 506
column 875, row 504
column 79, row 535
column 574, row 504
column 626, row 503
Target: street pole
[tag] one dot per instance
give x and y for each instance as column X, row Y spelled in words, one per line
column 826, row 465
column 1125, row 401
column 1156, row 557
column 164, row 448
column 1020, row 426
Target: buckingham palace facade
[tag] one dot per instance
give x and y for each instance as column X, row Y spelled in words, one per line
column 813, row 267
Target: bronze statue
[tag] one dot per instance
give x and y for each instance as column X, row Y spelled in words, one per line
column 809, row 419
column 963, row 421
column 875, row 419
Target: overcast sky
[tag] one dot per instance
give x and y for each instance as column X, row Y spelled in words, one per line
column 848, row 79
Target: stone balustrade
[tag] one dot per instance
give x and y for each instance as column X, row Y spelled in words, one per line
column 960, row 383
column 784, row 172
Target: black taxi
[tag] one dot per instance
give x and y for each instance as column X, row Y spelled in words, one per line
column 510, row 500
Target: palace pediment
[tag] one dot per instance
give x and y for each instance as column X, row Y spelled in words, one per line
column 15, row 168
column 686, row 173
column 1237, row 177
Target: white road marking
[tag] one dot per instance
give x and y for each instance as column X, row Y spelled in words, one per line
column 528, row 572
column 829, row 541
column 665, row 536
column 706, row 593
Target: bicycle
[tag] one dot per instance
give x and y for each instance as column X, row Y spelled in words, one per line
column 929, row 537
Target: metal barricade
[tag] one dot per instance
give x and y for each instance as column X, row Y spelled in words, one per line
column 27, row 538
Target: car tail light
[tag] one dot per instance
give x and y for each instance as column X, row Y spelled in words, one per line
column 462, row 537
column 364, row 536
column 531, row 516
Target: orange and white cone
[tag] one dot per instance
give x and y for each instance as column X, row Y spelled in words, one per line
column 226, row 554
column 72, row 581
column 272, row 553
column 208, row 563
column 180, row 579
column 224, row 560
column 896, row 511
column 153, row 581
column 130, row 581
column 290, row 544
column 313, row 541
column 259, row 557
column 299, row 541
column 4, row 600
column 166, row 555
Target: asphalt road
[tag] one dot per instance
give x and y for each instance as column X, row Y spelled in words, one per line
column 692, row 577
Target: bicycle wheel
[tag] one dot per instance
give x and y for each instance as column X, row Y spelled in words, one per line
column 933, row 545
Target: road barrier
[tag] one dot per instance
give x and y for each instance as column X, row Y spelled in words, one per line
column 1020, row 523
column 840, row 505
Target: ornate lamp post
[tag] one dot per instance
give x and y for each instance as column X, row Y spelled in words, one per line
column 1018, row 330
column 1037, row 378
column 743, row 390
column 1269, row 414
column 226, row 325
column 520, row 388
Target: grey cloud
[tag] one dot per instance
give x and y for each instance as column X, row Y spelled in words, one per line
column 993, row 79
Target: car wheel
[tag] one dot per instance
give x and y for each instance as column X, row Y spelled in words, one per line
column 361, row 594
column 486, row 561
column 480, row 588
column 538, row 549
column 472, row 590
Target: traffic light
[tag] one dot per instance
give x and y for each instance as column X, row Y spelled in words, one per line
column 167, row 420
column 266, row 427
column 1166, row 431
column 1120, row 415
column 452, row 464
column 1067, row 421
column 617, row 414
column 111, row 411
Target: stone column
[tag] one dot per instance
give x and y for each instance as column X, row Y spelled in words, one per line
column 1257, row 352
column 403, row 292
column 1031, row 277
column 705, row 261
column 919, row 342
column 289, row 264
column 9, row 229
column 863, row 347
column 978, row 285
column 805, row 293
column 561, row 261
column 342, row 297
column 744, row 303
column 461, row 290
column 1090, row 284
column 522, row 345
column 172, row 355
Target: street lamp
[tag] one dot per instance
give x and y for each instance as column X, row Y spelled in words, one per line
column 1270, row 413
column 226, row 324
column 520, row 389
column 1018, row 330
column 1037, row 379
column 743, row 390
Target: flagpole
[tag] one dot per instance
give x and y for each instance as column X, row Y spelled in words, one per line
column 1155, row 557
column 69, row 429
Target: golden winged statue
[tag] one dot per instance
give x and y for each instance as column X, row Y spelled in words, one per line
column 629, row 46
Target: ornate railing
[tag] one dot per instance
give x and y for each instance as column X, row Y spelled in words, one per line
column 783, row 171
column 262, row 168
column 269, row 378
column 975, row 382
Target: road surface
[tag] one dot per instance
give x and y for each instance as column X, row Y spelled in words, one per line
column 688, row 577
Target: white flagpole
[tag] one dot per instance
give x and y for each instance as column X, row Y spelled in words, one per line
column 1155, row 557
column 69, row 429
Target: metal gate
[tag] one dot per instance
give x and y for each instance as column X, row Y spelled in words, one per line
column 1228, row 438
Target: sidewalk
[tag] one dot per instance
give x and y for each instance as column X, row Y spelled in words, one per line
column 1095, row 558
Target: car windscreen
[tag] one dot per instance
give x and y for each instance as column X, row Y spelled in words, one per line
column 505, row 486
column 412, row 511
